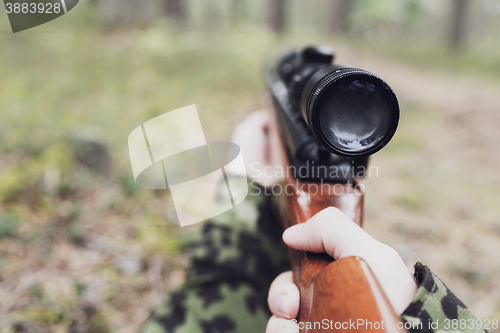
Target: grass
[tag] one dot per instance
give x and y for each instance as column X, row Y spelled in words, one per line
column 88, row 224
column 56, row 213
column 480, row 60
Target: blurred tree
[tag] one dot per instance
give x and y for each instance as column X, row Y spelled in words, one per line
column 278, row 15
column 413, row 13
column 177, row 9
column 459, row 23
column 108, row 11
column 127, row 12
column 213, row 17
column 238, row 11
column 341, row 18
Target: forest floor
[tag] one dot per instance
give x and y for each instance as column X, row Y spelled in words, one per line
column 83, row 249
column 437, row 195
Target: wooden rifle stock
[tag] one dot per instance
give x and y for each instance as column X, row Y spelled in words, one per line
column 334, row 295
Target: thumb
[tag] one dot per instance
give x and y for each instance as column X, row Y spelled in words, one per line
column 333, row 232
column 329, row 231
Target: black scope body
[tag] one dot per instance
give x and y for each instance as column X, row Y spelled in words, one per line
column 334, row 115
column 351, row 112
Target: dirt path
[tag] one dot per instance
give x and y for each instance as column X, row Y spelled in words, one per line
column 438, row 194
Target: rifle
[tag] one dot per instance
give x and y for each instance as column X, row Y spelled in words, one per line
column 329, row 120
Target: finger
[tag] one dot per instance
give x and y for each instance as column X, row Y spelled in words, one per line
column 250, row 135
column 275, row 325
column 284, row 297
column 251, row 132
column 329, row 231
column 332, row 232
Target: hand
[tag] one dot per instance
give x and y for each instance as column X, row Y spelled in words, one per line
column 258, row 142
column 333, row 232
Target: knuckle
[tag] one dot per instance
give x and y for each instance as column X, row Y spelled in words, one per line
column 284, row 275
column 331, row 210
column 271, row 295
column 277, row 285
column 271, row 325
column 390, row 253
column 325, row 216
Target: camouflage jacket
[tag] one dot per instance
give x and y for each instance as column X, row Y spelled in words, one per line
column 234, row 261
column 436, row 309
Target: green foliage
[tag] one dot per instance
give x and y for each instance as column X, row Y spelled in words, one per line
column 79, row 288
column 27, row 175
column 156, row 236
column 369, row 15
column 8, row 225
column 408, row 139
column 129, row 185
column 74, row 232
column 482, row 61
column 472, row 275
column 86, row 77
column 15, row 180
column 42, row 315
column 37, row 292
column 413, row 201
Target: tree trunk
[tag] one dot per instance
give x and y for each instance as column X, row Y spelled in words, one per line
column 459, row 23
column 341, row 16
column 237, row 11
column 115, row 13
column 177, row 9
column 212, row 16
column 278, row 15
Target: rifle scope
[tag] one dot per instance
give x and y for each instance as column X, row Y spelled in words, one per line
column 350, row 111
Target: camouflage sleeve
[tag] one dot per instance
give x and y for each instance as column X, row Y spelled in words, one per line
column 234, row 261
column 435, row 309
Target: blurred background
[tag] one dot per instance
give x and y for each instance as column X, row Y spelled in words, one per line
column 83, row 249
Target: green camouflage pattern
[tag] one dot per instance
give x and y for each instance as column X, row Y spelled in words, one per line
column 234, row 260
column 436, row 309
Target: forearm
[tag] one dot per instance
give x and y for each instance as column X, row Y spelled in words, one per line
column 435, row 308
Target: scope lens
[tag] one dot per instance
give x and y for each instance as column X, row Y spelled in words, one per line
column 351, row 112
column 354, row 115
